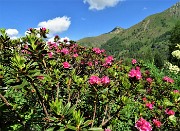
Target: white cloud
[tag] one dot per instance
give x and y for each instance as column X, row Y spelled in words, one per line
column 101, row 4
column 56, row 25
column 145, row 8
column 12, row 32
column 51, row 39
column 65, row 38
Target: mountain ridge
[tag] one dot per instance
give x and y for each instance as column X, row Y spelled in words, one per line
column 150, row 35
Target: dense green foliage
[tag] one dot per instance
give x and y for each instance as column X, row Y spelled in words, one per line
column 61, row 86
column 174, row 40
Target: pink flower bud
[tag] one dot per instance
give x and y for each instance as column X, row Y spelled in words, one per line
column 40, row 77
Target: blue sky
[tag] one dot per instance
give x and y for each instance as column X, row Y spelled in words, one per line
column 76, row 19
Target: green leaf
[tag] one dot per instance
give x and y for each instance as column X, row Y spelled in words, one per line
column 71, row 127
column 172, row 118
column 50, row 129
column 86, row 123
column 167, row 102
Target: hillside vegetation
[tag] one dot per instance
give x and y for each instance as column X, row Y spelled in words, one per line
column 147, row 40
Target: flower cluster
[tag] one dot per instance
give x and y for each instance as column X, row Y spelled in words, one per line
column 169, row 112
column 168, row 79
column 95, row 80
column 135, row 73
column 172, row 68
column 143, row 125
column 134, row 61
column 65, row 51
column 108, row 61
column 176, row 91
column 176, row 54
column 52, row 45
column 98, row 51
column 157, row 123
column 66, row 65
column 25, row 50
column 50, row 54
column 149, row 105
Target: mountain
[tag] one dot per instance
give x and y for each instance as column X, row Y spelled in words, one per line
column 101, row 39
column 147, row 40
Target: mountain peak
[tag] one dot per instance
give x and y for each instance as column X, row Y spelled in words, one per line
column 116, row 30
column 175, row 10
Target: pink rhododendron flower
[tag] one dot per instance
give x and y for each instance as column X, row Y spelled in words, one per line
column 26, row 46
column 65, row 40
column 94, row 80
column 97, row 50
column 176, row 91
column 138, row 68
column 157, row 123
column 58, row 50
column 43, row 29
column 108, row 61
column 74, row 50
column 143, row 125
column 103, row 50
column 149, row 105
column 89, row 63
column 65, row 51
column 153, row 102
column 75, row 55
column 26, row 51
column 168, row 79
column 52, row 45
column 30, row 29
column 50, row 54
column 105, row 80
column 132, row 73
column 144, row 99
column 110, row 58
column 96, row 62
column 82, row 62
column 147, row 72
column 149, row 80
column 40, row 77
column 66, row 65
column 107, row 130
column 169, row 112
column 134, row 61
column 135, row 73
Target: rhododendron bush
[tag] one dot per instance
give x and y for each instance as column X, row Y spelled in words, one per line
column 62, row 86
